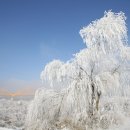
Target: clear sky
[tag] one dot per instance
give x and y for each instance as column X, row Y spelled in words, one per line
column 33, row 32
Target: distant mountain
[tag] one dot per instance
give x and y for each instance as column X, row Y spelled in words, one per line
column 28, row 91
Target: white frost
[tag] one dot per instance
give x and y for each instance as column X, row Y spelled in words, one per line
column 95, row 83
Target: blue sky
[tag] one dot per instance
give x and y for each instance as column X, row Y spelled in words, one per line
column 33, row 32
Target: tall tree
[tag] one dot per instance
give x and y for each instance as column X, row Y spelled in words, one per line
column 99, row 70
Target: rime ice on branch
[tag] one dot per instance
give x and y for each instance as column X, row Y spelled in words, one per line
column 98, row 72
column 108, row 33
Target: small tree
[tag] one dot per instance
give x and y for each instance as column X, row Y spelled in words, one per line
column 99, row 69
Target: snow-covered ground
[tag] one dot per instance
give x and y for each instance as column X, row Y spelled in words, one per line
column 5, row 128
column 12, row 113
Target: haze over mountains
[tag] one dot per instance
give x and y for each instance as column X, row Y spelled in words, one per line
column 28, row 91
column 15, row 87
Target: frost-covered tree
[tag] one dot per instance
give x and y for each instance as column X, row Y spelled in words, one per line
column 100, row 70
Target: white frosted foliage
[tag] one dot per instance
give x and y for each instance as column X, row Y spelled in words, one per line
column 108, row 33
column 94, row 84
